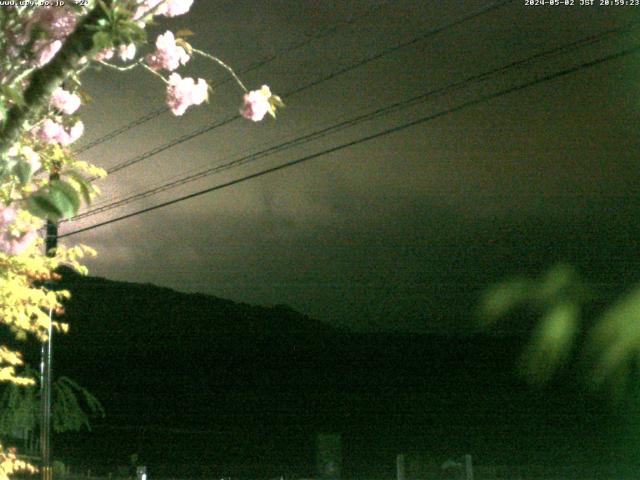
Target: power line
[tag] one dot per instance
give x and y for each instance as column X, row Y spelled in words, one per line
column 114, row 133
column 325, row 78
column 254, row 66
column 569, row 47
column 424, row 119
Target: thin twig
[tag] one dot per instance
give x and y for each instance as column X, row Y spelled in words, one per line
column 23, row 75
column 223, row 65
column 147, row 67
column 118, row 68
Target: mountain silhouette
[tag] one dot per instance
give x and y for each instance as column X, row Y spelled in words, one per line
column 199, row 386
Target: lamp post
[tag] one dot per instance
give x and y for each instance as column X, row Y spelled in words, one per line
column 45, row 399
column 51, row 242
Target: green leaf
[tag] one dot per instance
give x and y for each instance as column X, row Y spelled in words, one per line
column 135, row 33
column 559, row 283
column 552, row 342
column 502, row 298
column 86, row 189
column 41, row 205
column 65, row 197
column 22, row 170
column 614, row 342
column 58, row 200
column 12, row 94
column 276, row 100
column 105, row 8
column 101, row 40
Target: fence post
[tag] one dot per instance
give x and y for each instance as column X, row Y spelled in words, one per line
column 400, row 467
column 468, row 467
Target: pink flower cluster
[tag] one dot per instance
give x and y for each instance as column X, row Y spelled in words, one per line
column 44, row 51
column 256, row 104
column 184, row 92
column 125, row 52
column 58, row 23
column 168, row 55
column 53, row 132
column 168, row 8
column 10, row 242
column 65, row 101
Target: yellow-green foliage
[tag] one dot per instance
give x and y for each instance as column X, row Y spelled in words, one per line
column 10, row 464
column 25, row 300
column 40, row 178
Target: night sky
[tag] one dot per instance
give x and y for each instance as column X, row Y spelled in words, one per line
column 401, row 231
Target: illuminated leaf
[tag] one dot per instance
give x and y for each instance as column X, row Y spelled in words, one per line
column 556, row 284
column 552, row 342
column 102, row 40
column 42, row 205
column 276, row 100
column 500, row 299
column 22, row 170
column 12, row 94
column 65, row 196
column 614, row 342
column 86, row 189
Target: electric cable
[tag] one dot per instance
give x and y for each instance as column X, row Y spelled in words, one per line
column 254, row 66
column 384, row 133
column 318, row 81
column 570, row 47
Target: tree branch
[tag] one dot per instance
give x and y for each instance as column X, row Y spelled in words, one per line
column 45, row 80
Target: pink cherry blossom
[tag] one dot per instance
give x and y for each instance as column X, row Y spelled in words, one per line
column 50, row 131
column 168, row 55
column 168, row 8
column 32, row 158
column 45, row 50
column 65, row 101
column 74, row 133
column 104, row 54
column 15, row 244
column 127, row 52
column 53, row 132
column 58, row 22
column 7, row 215
column 144, row 7
column 173, row 8
column 184, row 92
column 256, row 104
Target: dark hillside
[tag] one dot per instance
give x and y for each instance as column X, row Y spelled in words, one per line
column 197, row 382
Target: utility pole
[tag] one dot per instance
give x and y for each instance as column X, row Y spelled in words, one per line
column 50, row 245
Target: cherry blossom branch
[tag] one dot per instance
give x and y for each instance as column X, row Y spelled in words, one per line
column 23, row 75
column 157, row 74
column 223, row 65
column 118, row 68
column 49, row 77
